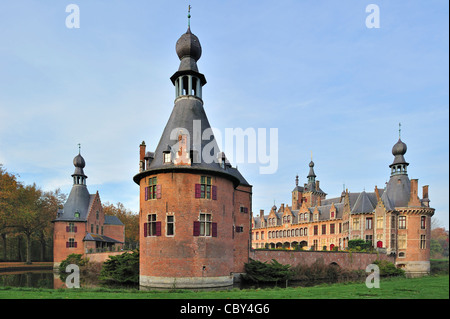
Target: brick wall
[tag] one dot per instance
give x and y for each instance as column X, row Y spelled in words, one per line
column 183, row 254
column 345, row 260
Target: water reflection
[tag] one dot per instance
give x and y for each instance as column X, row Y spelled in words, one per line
column 51, row 280
column 34, row 279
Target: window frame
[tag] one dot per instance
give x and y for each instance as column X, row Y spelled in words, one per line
column 170, row 226
column 401, row 222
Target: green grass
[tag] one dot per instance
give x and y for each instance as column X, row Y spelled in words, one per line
column 429, row 287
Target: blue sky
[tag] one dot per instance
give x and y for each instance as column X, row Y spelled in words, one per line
column 311, row 69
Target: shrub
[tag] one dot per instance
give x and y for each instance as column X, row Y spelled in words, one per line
column 319, row 271
column 121, row 269
column 76, row 259
column 257, row 271
column 388, row 269
column 359, row 245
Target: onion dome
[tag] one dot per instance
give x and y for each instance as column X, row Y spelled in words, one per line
column 78, row 176
column 398, row 150
column 311, row 170
column 78, row 161
column 188, row 45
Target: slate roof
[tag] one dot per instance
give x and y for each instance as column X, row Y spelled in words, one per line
column 80, row 201
column 112, row 220
column 189, row 117
column 101, row 238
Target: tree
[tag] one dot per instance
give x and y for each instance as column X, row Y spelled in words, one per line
column 439, row 243
column 27, row 217
column 8, row 198
column 48, row 205
column 128, row 218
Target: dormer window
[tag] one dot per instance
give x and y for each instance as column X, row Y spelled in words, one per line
column 77, row 214
column 166, row 157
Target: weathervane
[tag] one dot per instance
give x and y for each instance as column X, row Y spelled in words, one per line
column 189, row 16
column 79, row 148
column 399, row 129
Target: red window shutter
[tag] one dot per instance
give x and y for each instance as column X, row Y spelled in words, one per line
column 214, row 192
column 214, row 229
column 197, row 190
column 67, row 229
column 75, row 244
column 158, row 228
column 145, row 229
column 146, row 193
column 67, row 244
column 158, row 191
column 196, row 228
column 75, row 229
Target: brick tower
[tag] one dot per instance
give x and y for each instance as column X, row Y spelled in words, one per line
column 195, row 207
column 81, row 226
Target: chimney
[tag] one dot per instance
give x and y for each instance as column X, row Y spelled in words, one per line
column 142, row 151
column 414, row 198
column 141, row 157
column 282, row 208
column 261, row 213
column 425, row 192
column 377, row 193
column 425, row 200
column 317, row 185
column 414, row 186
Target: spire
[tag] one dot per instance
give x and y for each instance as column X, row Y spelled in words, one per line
column 78, row 176
column 397, row 190
column 398, row 167
column 187, row 141
column 311, row 175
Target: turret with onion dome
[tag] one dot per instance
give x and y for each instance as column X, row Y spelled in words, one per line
column 79, row 178
column 399, row 165
column 398, row 188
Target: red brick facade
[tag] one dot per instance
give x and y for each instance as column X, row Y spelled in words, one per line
column 174, row 248
column 69, row 236
column 313, row 222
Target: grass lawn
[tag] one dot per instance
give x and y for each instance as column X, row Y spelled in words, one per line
column 429, row 287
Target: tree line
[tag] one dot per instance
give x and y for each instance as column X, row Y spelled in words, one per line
column 26, row 214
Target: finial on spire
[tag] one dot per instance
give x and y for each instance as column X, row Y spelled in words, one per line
column 79, row 148
column 311, row 155
column 189, row 16
column 399, row 130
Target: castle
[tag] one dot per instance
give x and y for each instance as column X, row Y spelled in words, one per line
column 393, row 218
column 80, row 226
column 194, row 216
